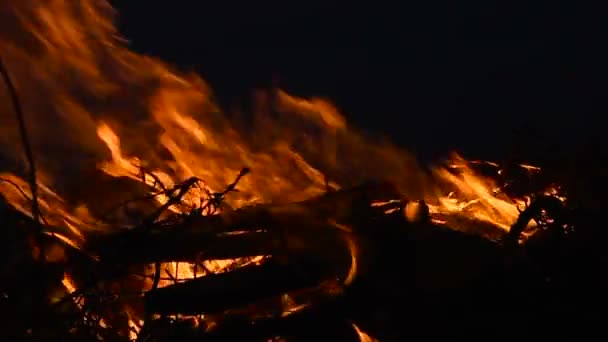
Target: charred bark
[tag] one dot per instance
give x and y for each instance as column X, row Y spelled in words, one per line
column 326, row 321
column 218, row 292
column 313, row 226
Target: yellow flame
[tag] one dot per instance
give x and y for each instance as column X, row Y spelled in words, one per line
column 68, row 283
column 125, row 111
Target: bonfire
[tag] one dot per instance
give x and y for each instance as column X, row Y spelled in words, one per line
column 142, row 211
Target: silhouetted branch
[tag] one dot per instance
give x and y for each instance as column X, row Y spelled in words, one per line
column 249, row 231
column 218, row 292
column 25, row 141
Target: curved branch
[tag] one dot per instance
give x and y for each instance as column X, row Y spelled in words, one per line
column 549, row 203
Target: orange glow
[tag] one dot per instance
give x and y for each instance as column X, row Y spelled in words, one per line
column 363, row 337
column 477, row 197
column 95, row 104
column 68, row 283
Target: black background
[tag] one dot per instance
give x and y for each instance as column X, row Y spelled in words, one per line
column 476, row 75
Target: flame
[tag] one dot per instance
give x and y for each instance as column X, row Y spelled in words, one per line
column 67, row 222
column 93, row 103
column 134, row 328
column 477, row 196
column 363, row 337
column 122, row 111
column 68, row 283
column 352, row 272
column 180, row 271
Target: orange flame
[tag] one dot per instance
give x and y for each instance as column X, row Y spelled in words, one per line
column 79, row 81
column 363, row 337
column 94, row 102
column 477, row 197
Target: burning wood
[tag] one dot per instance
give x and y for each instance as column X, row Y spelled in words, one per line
column 219, row 292
column 308, row 242
column 312, row 226
column 304, row 221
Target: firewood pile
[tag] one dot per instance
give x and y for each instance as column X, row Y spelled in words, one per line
column 350, row 262
column 355, row 260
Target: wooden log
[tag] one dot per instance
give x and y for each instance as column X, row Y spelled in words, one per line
column 185, row 247
column 218, row 292
column 326, row 321
column 268, row 227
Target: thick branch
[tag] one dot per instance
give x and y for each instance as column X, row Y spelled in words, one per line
column 25, row 140
column 219, row 292
column 305, row 227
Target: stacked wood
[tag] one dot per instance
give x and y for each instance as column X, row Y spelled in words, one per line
column 218, row 292
column 399, row 264
column 312, row 227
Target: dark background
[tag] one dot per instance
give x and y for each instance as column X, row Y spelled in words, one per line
column 481, row 76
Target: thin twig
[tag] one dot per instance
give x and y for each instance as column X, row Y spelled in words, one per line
column 156, row 275
column 183, row 190
column 25, row 141
column 215, row 199
column 157, row 180
column 16, row 186
column 132, row 200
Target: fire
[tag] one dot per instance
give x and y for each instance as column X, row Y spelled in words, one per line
column 478, row 197
column 67, row 221
column 363, row 337
column 93, row 102
column 68, row 283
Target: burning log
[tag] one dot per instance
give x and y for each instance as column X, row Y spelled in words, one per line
column 549, row 204
column 313, row 322
column 218, row 292
column 314, row 235
column 254, row 230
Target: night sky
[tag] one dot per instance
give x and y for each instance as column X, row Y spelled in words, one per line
column 480, row 76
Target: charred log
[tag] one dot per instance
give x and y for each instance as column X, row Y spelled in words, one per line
column 316, row 322
column 552, row 205
column 218, row 292
column 261, row 229
column 415, row 265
